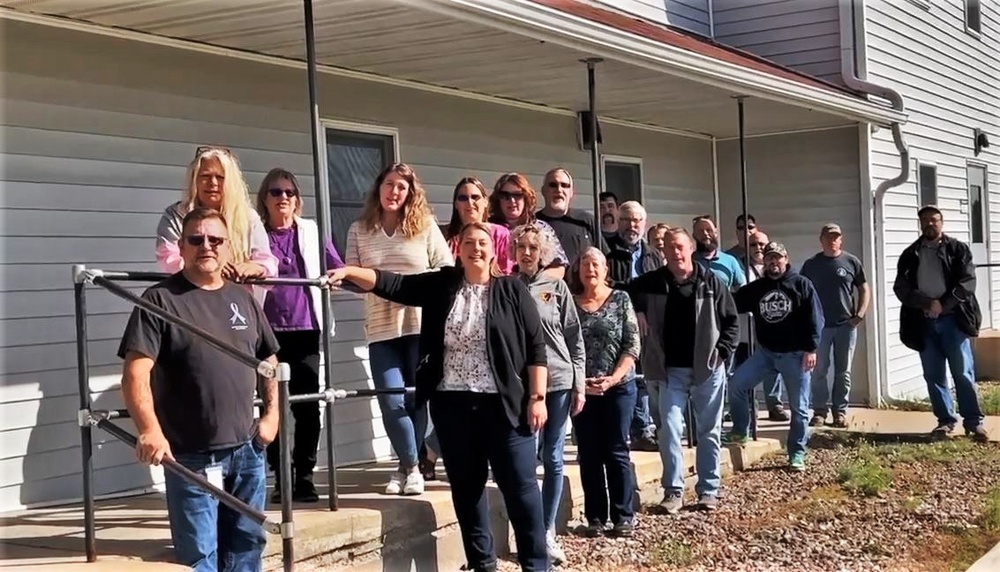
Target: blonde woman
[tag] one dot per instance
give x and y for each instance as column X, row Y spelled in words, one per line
column 396, row 232
column 532, row 249
column 215, row 181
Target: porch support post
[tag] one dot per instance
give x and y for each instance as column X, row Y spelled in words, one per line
column 323, row 222
column 740, row 104
column 595, row 150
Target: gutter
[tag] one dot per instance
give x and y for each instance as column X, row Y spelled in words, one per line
column 849, row 14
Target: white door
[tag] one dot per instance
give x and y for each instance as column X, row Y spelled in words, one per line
column 979, row 234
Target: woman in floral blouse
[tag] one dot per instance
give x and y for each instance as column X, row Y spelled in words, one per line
column 611, row 340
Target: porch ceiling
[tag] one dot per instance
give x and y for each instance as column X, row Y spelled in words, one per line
column 403, row 41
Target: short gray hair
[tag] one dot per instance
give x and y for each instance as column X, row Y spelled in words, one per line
column 633, row 207
column 546, row 243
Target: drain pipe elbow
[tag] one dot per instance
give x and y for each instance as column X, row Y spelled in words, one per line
column 848, row 20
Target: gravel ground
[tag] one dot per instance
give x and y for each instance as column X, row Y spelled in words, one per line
column 772, row 519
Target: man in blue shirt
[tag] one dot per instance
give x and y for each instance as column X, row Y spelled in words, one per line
column 725, row 266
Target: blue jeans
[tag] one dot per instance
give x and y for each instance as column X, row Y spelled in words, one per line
column 763, row 363
column 475, row 435
column 551, row 441
column 945, row 342
column 603, row 454
column 641, row 424
column 706, row 399
column 772, row 382
column 394, row 365
column 209, row 536
column 836, row 342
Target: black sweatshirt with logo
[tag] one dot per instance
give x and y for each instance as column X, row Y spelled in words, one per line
column 786, row 311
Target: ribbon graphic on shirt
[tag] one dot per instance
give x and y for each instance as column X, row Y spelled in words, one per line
column 237, row 317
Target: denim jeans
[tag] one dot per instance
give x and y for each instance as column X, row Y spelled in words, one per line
column 641, row 424
column 551, row 443
column 764, row 363
column 475, row 435
column 772, row 382
column 706, row 400
column 653, row 388
column 394, row 365
column 945, row 342
column 836, row 342
column 603, row 454
column 209, row 536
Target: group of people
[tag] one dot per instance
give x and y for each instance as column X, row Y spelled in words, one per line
column 509, row 321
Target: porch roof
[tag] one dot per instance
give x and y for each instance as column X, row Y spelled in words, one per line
column 519, row 52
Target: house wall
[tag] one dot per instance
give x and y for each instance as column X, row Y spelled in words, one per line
column 691, row 15
column 98, row 133
column 796, row 183
column 948, row 80
column 801, row 34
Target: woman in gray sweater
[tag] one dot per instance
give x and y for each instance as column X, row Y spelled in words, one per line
column 533, row 249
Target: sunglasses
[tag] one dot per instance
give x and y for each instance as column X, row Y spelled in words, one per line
column 290, row 193
column 557, row 185
column 206, row 148
column 467, row 198
column 199, row 239
column 510, row 196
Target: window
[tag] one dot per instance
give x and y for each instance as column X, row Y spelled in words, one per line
column 623, row 177
column 354, row 158
column 927, row 183
column 973, row 17
column 976, row 174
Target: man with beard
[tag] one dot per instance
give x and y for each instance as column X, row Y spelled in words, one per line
column 628, row 257
column 702, row 334
column 575, row 228
column 725, row 266
column 609, row 214
column 788, row 321
column 936, row 283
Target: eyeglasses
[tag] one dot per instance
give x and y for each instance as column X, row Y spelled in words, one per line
column 199, row 239
column 206, row 148
column 510, row 196
column 758, row 244
column 467, row 198
column 742, row 228
column 558, row 184
column 286, row 192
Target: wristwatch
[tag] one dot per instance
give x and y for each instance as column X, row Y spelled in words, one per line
column 536, row 398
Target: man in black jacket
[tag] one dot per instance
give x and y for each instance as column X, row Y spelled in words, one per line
column 702, row 335
column 936, row 283
column 788, row 320
column 628, row 257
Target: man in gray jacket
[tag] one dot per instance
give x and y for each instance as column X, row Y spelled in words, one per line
column 703, row 333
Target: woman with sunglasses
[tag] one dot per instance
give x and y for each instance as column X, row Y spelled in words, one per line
column 470, row 203
column 512, row 204
column 295, row 315
column 215, row 181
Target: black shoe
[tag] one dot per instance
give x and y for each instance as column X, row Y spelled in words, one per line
column 623, row 529
column 645, row 443
column 840, row 421
column 305, row 491
column 942, row 430
column 817, row 420
column 593, row 529
column 978, row 434
column 778, row 413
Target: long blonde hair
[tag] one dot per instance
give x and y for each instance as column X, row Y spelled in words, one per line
column 416, row 215
column 235, row 198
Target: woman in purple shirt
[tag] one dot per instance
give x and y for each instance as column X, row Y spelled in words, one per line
column 295, row 316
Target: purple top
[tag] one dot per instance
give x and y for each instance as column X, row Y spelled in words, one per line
column 289, row 308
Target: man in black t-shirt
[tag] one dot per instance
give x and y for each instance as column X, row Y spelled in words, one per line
column 193, row 403
column 575, row 228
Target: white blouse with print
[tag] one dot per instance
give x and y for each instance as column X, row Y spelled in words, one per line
column 466, row 363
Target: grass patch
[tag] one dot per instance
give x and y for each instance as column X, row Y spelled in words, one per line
column 865, row 474
column 908, row 404
column 990, row 397
column 967, row 546
column 990, row 518
column 947, row 451
column 671, row 553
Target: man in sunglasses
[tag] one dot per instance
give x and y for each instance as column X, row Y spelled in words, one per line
column 744, row 228
column 575, row 228
column 193, row 404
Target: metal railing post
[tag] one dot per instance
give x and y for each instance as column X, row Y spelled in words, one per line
column 740, row 104
column 284, row 444
column 86, row 442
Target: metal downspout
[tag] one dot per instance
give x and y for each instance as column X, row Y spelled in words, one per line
column 848, row 21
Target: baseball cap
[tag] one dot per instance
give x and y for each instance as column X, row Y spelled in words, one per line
column 775, row 248
column 928, row 209
column 831, row 228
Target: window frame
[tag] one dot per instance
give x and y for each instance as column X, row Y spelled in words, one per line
column 920, row 193
column 624, row 160
column 984, row 197
column 978, row 34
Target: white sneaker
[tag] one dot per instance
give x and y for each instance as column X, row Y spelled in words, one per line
column 556, row 554
column 395, row 485
column 414, row 484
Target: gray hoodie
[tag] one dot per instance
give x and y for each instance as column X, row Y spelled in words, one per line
column 561, row 327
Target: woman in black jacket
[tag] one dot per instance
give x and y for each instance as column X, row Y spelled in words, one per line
column 483, row 369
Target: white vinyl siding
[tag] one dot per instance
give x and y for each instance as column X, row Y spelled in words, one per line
column 98, row 134
column 796, row 183
column 948, row 80
column 690, row 15
column 801, row 34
